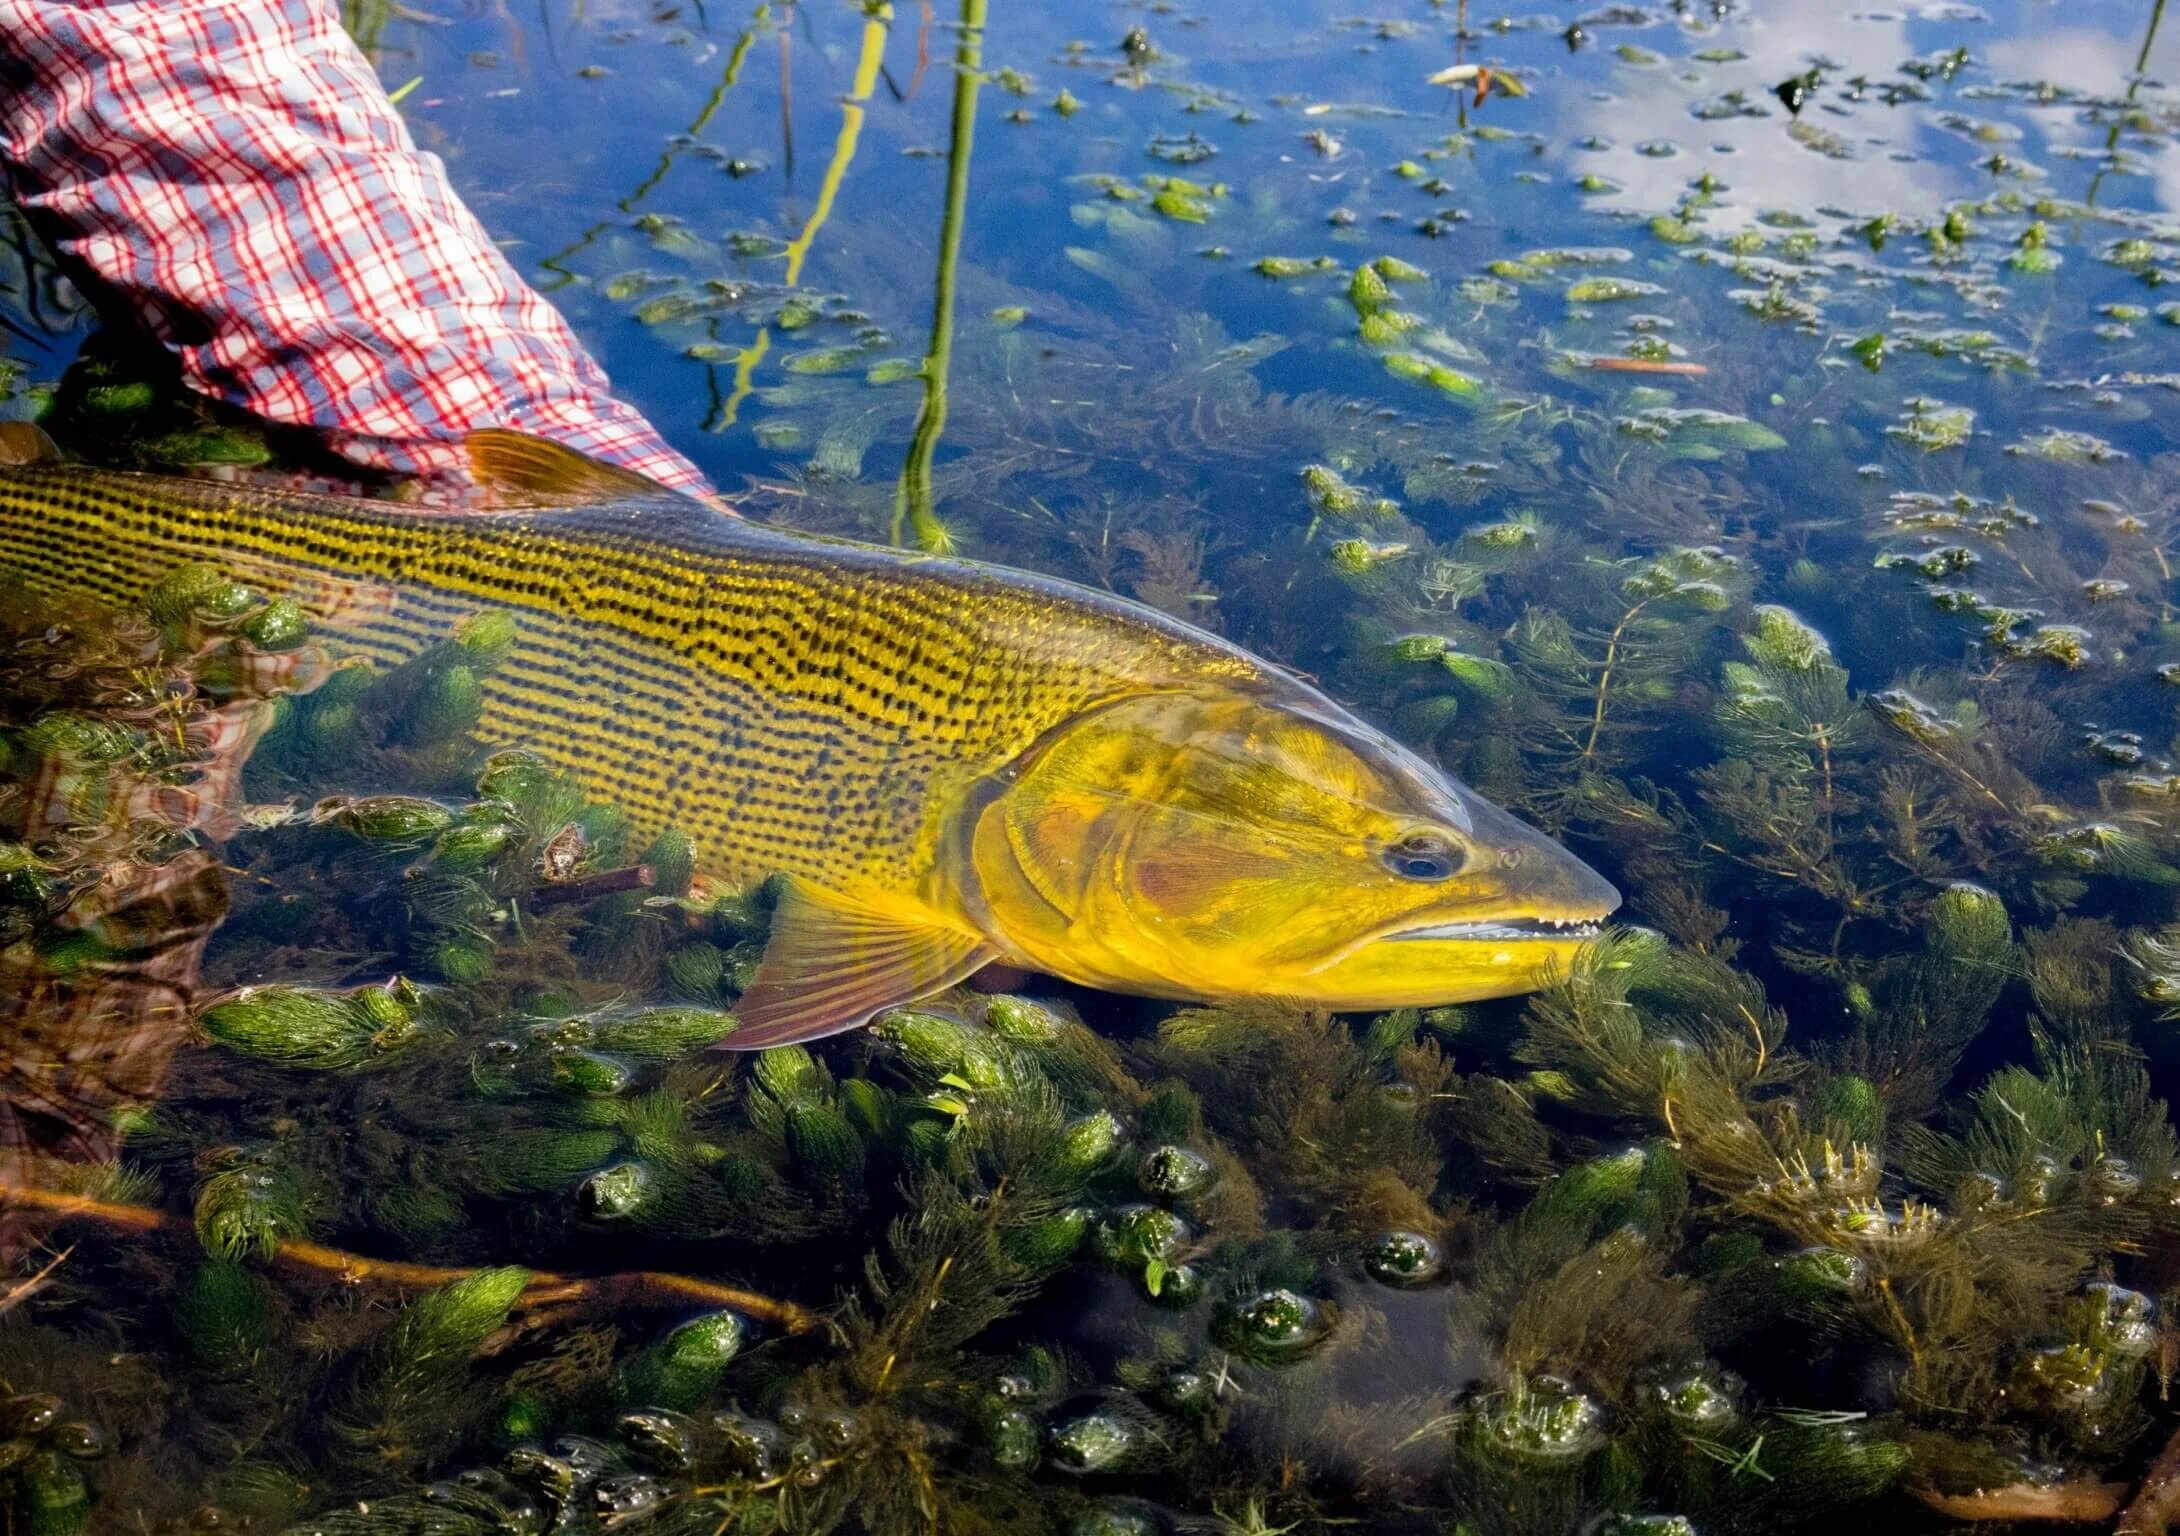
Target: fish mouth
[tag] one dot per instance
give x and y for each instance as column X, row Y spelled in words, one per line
column 1501, row 930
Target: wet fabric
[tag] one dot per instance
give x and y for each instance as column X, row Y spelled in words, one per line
column 234, row 170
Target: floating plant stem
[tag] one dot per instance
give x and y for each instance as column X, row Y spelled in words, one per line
column 876, row 24
column 745, row 375
column 923, row 49
column 727, row 80
column 365, row 22
column 787, row 103
column 1647, row 365
column 912, row 504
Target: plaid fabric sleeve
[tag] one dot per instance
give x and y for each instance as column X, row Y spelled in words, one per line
column 234, row 170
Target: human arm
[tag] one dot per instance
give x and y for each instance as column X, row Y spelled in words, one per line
column 234, row 173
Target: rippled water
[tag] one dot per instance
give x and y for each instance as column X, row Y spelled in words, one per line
column 1738, row 438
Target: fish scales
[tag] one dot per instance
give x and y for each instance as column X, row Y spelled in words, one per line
column 796, row 705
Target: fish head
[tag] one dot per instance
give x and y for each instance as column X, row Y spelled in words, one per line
column 1223, row 844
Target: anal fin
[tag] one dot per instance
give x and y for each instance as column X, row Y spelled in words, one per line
column 831, row 963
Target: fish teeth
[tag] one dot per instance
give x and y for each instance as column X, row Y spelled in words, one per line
column 1517, row 928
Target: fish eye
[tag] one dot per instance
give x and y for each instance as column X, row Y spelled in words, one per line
column 1423, row 855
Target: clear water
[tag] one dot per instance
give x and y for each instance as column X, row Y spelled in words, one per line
column 1779, row 506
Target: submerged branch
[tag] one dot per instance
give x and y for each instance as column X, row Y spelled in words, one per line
column 629, row 1288
column 2156, row 1503
column 2063, row 1503
column 611, row 882
column 23, row 1290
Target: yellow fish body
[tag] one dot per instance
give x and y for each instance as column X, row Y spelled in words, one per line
column 953, row 763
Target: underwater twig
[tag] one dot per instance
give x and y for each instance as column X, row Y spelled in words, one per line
column 1647, row 365
column 2068, row 1503
column 609, row 882
column 2156, row 1503
column 22, row 1291
column 630, row 1287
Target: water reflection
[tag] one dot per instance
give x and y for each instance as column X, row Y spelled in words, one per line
column 555, row 266
column 127, row 751
column 2134, row 89
column 1611, row 133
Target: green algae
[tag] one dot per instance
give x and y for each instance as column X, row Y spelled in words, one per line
column 1610, row 290
column 1285, row 268
column 1699, row 433
column 1416, row 368
column 1931, row 426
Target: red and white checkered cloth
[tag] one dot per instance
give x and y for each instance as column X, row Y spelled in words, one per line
column 234, row 168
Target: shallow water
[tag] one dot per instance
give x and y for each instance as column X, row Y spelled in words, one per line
column 1777, row 505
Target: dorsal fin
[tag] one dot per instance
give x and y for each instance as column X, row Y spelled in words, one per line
column 519, row 465
column 25, row 442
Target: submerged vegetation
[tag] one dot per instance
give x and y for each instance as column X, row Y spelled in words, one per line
column 1793, row 542
column 984, row 1267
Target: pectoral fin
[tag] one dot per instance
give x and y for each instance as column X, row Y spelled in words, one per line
column 831, row 963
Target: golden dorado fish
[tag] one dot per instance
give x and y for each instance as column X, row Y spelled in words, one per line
column 952, row 764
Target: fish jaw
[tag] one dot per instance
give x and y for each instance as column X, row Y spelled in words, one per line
column 1464, row 954
column 1446, row 963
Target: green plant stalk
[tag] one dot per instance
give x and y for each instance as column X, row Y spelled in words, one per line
column 912, row 503
column 1604, row 679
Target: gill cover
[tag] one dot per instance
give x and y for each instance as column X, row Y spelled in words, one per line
column 1192, row 845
